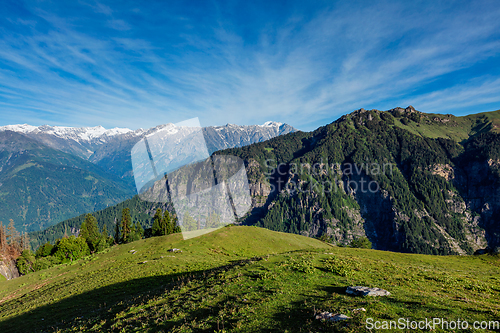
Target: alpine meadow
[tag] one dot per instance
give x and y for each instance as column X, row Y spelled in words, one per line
column 249, row 166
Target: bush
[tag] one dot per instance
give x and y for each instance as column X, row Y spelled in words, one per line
column 46, row 262
column 361, row 243
column 405, row 121
column 387, row 118
column 341, row 266
column 415, row 117
column 71, row 248
column 302, row 265
column 25, row 262
column 44, row 251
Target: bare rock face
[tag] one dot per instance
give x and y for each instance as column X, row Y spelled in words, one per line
column 444, row 170
column 366, row 291
column 8, row 269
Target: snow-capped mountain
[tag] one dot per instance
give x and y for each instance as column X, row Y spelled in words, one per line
column 231, row 136
column 110, row 148
column 74, row 133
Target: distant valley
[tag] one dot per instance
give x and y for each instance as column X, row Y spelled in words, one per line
column 49, row 173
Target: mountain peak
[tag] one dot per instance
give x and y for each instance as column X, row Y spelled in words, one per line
column 271, row 124
column 73, row 133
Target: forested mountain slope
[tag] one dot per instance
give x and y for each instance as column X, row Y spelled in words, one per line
column 40, row 185
column 409, row 181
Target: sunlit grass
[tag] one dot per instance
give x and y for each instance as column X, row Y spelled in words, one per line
column 245, row 279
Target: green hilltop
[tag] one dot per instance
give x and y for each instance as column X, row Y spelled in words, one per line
column 245, row 279
column 433, row 125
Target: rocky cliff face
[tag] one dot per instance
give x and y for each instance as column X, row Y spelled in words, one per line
column 8, row 269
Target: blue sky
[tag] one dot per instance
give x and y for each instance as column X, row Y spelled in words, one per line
column 143, row 63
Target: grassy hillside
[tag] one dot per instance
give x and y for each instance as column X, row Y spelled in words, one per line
column 244, row 279
column 448, row 126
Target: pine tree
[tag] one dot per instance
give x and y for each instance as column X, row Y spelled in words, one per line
column 3, row 239
column 105, row 237
column 84, row 233
column 213, row 221
column 25, row 242
column 140, row 230
column 166, row 227
column 117, row 233
column 157, row 223
column 175, row 224
column 104, row 232
column 90, row 232
column 126, row 225
column 13, row 237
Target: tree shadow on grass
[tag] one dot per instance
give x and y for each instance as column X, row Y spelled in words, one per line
column 106, row 303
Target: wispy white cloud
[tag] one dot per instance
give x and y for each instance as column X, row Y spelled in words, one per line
column 302, row 71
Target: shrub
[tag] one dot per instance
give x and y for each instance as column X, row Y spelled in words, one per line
column 302, row 265
column 25, row 262
column 341, row 266
column 361, row 243
column 46, row 262
column 387, row 118
column 44, row 251
column 71, row 248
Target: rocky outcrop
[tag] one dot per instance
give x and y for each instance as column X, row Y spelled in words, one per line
column 366, row 291
column 8, row 268
column 444, row 170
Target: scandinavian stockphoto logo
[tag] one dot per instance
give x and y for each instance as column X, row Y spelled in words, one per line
column 173, row 165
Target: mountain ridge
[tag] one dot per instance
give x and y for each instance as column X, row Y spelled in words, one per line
column 70, row 159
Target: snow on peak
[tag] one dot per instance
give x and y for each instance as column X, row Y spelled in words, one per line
column 21, row 128
column 167, row 128
column 271, row 124
column 75, row 133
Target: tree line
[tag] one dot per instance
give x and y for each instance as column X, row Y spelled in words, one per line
column 90, row 240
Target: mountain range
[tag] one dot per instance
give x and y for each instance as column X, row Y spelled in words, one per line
column 50, row 173
column 409, row 181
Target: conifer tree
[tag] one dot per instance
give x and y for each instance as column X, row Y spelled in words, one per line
column 105, row 234
column 157, row 223
column 90, row 232
column 25, row 242
column 167, row 221
column 84, row 233
column 3, row 239
column 126, row 225
column 13, row 237
column 175, row 224
column 117, row 233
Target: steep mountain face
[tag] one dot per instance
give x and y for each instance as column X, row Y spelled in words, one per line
column 409, row 181
column 40, row 186
column 110, row 149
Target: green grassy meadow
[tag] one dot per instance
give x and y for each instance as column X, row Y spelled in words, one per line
column 245, row 279
column 451, row 127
